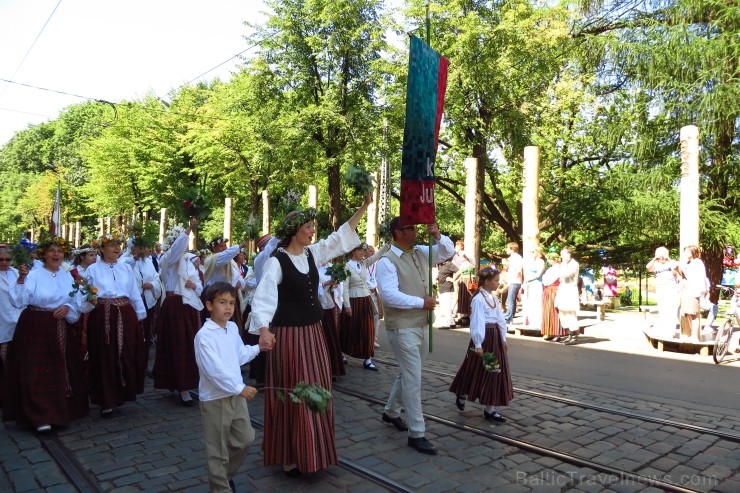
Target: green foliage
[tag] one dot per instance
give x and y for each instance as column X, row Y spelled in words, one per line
column 315, row 397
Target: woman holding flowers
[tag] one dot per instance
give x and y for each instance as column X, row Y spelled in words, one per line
column 286, row 312
column 357, row 331
column 179, row 320
column 115, row 337
column 44, row 384
column 487, row 334
column 8, row 313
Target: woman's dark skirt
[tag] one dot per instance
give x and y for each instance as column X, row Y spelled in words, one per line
column 464, row 298
column 115, row 376
column 293, row 433
column 44, row 381
column 357, row 332
column 174, row 363
column 472, row 380
column 550, row 320
column 331, row 334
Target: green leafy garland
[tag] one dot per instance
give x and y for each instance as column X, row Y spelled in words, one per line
column 359, row 180
column 315, row 397
column 293, row 221
column 338, row 271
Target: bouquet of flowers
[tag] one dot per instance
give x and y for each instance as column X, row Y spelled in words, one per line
column 83, row 285
column 359, row 180
column 251, row 228
column 144, row 234
column 21, row 253
column 315, row 397
column 338, row 271
column 491, row 363
column 195, row 204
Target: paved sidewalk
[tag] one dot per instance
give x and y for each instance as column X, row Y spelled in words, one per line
column 155, row 444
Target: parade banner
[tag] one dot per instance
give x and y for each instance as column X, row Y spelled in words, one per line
column 425, row 99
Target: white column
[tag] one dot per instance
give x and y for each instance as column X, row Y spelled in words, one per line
column 228, row 211
column 162, row 223
column 471, row 237
column 371, row 232
column 689, row 234
column 312, row 196
column 78, row 234
column 101, row 226
column 265, row 212
column 530, row 200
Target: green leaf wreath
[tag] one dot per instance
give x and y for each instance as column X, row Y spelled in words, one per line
column 490, row 362
column 359, row 180
column 338, row 271
column 315, row 397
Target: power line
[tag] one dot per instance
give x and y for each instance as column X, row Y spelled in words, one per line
column 50, row 90
column 32, row 45
column 25, row 112
column 254, row 45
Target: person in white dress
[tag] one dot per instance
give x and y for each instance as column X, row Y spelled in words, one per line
column 667, row 295
column 566, row 299
column 115, row 337
column 8, row 313
column 534, row 268
column 45, row 384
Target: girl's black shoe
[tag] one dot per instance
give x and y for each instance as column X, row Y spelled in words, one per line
column 460, row 403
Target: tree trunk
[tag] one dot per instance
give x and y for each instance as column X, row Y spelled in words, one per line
column 333, row 184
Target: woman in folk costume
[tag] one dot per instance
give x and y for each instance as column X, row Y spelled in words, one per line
column 286, row 312
column 83, row 258
column 487, row 334
column 115, row 335
column 534, row 267
column 330, row 321
column 8, row 313
column 552, row 330
column 357, row 330
column 44, row 384
column 566, row 300
column 179, row 320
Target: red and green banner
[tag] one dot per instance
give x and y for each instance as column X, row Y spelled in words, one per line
column 425, row 100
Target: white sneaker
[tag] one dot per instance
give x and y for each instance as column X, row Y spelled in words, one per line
column 43, row 428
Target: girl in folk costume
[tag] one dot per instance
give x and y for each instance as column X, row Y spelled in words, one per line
column 330, row 321
column 534, row 267
column 552, row 330
column 44, row 384
column 357, row 331
column 566, row 299
column 150, row 287
column 286, row 312
column 115, row 336
column 84, row 257
column 179, row 320
column 487, row 334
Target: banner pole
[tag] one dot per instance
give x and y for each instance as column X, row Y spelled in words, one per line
column 431, row 312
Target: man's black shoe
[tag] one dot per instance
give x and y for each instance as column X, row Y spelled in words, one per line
column 232, row 485
column 398, row 422
column 422, row 445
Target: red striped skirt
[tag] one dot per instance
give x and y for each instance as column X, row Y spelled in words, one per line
column 490, row 389
column 329, row 324
column 464, row 298
column 115, row 339
column 550, row 320
column 44, row 381
column 174, row 362
column 357, row 332
column 293, row 433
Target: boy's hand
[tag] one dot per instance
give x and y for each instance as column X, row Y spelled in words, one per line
column 248, row 392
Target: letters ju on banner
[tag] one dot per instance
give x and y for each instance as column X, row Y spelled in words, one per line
column 425, row 99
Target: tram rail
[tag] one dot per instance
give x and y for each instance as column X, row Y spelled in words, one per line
column 733, row 437
column 539, row 450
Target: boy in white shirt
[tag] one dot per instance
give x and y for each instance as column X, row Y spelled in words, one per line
column 219, row 352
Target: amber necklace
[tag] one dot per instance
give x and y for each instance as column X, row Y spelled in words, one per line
column 485, row 298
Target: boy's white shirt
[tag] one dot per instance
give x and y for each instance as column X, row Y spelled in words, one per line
column 219, row 353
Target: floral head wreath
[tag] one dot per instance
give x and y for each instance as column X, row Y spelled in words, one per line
column 82, row 250
column 53, row 240
column 107, row 238
column 293, row 220
column 487, row 272
column 171, row 236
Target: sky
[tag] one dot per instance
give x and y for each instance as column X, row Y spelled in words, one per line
column 111, row 50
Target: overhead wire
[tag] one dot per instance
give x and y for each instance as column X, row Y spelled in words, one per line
column 2, row 93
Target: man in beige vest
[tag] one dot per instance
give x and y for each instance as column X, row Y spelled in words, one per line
column 403, row 281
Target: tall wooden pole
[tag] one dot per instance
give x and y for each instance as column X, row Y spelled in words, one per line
column 471, row 237
column 162, row 223
column 689, row 234
column 228, row 213
column 265, row 212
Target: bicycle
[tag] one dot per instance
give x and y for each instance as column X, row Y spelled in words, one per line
column 722, row 341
